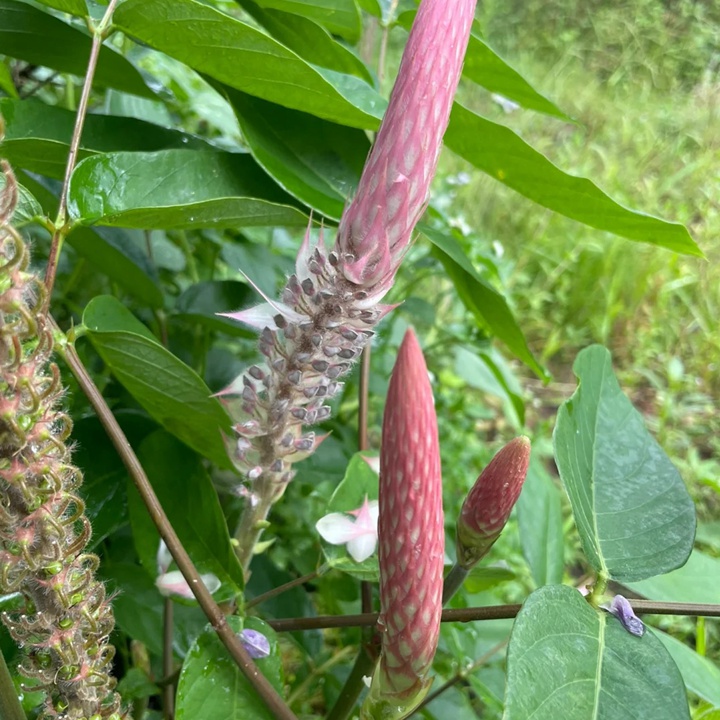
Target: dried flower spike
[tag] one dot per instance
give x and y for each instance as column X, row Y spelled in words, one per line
column 67, row 618
column 488, row 505
column 411, row 540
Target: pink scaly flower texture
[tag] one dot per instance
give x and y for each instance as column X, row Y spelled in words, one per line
column 411, row 539
column 376, row 229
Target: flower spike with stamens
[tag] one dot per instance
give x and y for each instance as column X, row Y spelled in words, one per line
column 411, row 540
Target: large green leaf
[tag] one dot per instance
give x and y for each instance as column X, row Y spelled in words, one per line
column 499, row 152
column 29, row 34
column 110, row 250
column 631, row 507
column 170, row 391
column 701, row 676
column 245, row 58
column 212, row 686
column 568, row 660
column 340, row 17
column 74, row 7
column 37, row 136
column 697, row 581
column 178, row 189
column 541, row 526
column 191, row 503
column 316, row 161
column 487, row 305
column 308, row 39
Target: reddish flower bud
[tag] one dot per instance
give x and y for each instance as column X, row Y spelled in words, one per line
column 488, row 505
column 411, row 539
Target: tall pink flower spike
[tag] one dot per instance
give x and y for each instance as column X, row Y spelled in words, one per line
column 411, row 540
column 330, row 306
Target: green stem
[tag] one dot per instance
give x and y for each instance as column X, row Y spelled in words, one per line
column 168, row 665
column 10, row 708
column 364, row 667
column 453, row 582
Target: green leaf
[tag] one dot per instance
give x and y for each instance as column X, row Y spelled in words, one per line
column 7, row 84
column 701, row 676
column 360, row 481
column 541, row 526
column 37, row 136
column 566, row 659
column 631, row 507
column 697, row 581
column 309, row 40
column 191, row 503
column 340, row 17
column 203, row 301
column 27, row 33
column 487, row 305
column 481, row 579
column 266, row 269
column 27, row 207
column 217, row 44
column 178, row 189
column 74, row 7
column 499, row 152
column 316, row 161
column 110, row 250
column 169, row 390
column 486, row 68
column 212, row 686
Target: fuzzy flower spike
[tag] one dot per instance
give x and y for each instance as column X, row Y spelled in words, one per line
column 330, row 306
column 411, row 540
column 66, row 621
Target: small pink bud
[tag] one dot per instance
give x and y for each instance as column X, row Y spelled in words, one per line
column 411, row 539
column 488, row 505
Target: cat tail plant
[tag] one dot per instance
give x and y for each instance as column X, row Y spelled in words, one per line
column 64, row 617
column 330, row 306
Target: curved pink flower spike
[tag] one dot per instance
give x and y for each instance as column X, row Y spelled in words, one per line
column 411, row 539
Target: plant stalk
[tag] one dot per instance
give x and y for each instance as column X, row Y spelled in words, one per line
column 211, row 609
column 453, row 582
column 168, row 665
column 10, row 707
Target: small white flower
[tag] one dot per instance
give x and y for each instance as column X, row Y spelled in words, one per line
column 173, row 583
column 359, row 535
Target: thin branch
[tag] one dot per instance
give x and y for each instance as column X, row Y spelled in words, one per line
column 491, row 612
column 99, row 32
column 287, row 586
column 10, row 707
column 211, row 609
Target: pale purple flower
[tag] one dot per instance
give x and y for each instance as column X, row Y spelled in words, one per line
column 622, row 610
column 359, row 535
column 256, row 644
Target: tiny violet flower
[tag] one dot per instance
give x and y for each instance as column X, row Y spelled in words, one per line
column 256, row 644
column 360, row 535
column 173, row 583
column 622, row 610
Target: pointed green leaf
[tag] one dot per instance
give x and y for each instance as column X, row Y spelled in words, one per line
column 316, row 161
column 541, row 526
column 487, row 305
column 203, row 301
column 109, row 250
column 219, row 45
column 631, row 507
column 170, row 391
column 340, row 17
column 7, row 84
column 27, row 33
column 568, row 660
column 27, row 206
column 697, row 581
column 499, row 152
column 189, row 499
column 309, row 40
column 37, row 136
column 178, row 189
column 212, row 686
column 74, row 7
column 360, row 481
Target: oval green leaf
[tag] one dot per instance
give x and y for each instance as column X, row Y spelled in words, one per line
column 245, row 58
column 631, row 507
column 502, row 154
column 340, row 17
column 170, row 391
column 568, row 660
column 178, row 189
column 27, row 33
column 316, row 161
column 212, row 686
column 74, row 7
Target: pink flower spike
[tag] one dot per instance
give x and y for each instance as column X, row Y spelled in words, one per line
column 360, row 535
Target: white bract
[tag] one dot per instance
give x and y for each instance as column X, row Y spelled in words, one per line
column 359, row 535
